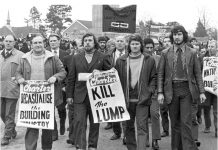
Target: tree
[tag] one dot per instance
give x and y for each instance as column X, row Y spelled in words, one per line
column 34, row 17
column 142, row 29
column 57, row 16
column 200, row 30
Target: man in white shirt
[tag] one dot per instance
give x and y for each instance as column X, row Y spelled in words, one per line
column 120, row 44
column 54, row 42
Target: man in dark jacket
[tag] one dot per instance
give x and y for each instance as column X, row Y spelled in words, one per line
column 82, row 64
column 54, row 43
column 180, row 84
column 137, row 72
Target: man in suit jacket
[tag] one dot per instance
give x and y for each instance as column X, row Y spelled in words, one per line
column 85, row 62
column 180, row 84
column 54, row 42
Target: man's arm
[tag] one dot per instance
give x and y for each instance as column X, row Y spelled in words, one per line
column 153, row 76
column 198, row 73
column 71, row 79
column 60, row 71
column 107, row 63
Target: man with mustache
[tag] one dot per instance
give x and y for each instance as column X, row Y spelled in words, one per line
column 85, row 62
column 180, row 84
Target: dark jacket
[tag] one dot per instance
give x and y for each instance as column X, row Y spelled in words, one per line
column 147, row 79
column 52, row 66
column 77, row 89
column 165, row 74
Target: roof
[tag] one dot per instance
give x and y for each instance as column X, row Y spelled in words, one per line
column 88, row 24
column 18, row 32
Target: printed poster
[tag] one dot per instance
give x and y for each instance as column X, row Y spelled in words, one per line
column 106, row 97
column 36, row 105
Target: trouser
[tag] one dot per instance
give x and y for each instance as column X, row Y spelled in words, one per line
column 140, row 112
column 32, row 136
column 8, row 108
column 61, row 112
column 155, row 118
column 180, row 110
column 117, row 128
column 194, row 121
column 81, row 112
column 164, row 116
column 211, row 100
column 71, row 118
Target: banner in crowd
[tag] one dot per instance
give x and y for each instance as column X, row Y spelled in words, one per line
column 121, row 20
column 36, row 105
column 106, row 97
column 210, row 74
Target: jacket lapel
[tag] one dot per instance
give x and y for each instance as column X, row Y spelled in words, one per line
column 187, row 55
column 83, row 60
column 170, row 57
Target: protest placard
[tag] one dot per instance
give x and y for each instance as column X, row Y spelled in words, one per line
column 106, row 97
column 210, row 74
column 36, row 105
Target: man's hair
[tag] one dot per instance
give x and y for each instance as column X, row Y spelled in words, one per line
column 177, row 29
column 95, row 41
column 135, row 37
column 12, row 36
column 192, row 39
column 102, row 38
column 54, row 35
column 148, row 41
column 39, row 35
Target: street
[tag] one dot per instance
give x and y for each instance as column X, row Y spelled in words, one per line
column 208, row 141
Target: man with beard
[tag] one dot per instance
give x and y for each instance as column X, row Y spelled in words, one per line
column 85, row 62
column 180, row 84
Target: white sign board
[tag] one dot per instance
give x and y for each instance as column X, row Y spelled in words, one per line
column 210, row 74
column 106, row 97
column 36, row 105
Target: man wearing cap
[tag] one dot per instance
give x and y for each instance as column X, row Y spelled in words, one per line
column 9, row 61
column 180, row 85
column 54, row 43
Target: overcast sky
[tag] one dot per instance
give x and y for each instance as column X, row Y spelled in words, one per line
column 186, row 12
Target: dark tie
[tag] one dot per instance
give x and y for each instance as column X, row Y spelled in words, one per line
column 179, row 67
column 6, row 53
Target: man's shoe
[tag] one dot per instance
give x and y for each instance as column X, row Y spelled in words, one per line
column 115, row 137
column 207, row 130
column 54, row 135
column 164, row 134
column 5, row 141
column 124, row 141
column 147, row 143
column 108, row 126
column 198, row 143
column 69, row 141
column 155, row 145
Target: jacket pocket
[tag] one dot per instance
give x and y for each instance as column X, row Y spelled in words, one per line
column 14, row 66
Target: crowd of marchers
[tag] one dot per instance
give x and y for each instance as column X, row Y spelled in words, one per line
column 158, row 78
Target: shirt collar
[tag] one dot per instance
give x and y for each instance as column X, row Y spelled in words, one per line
column 176, row 47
